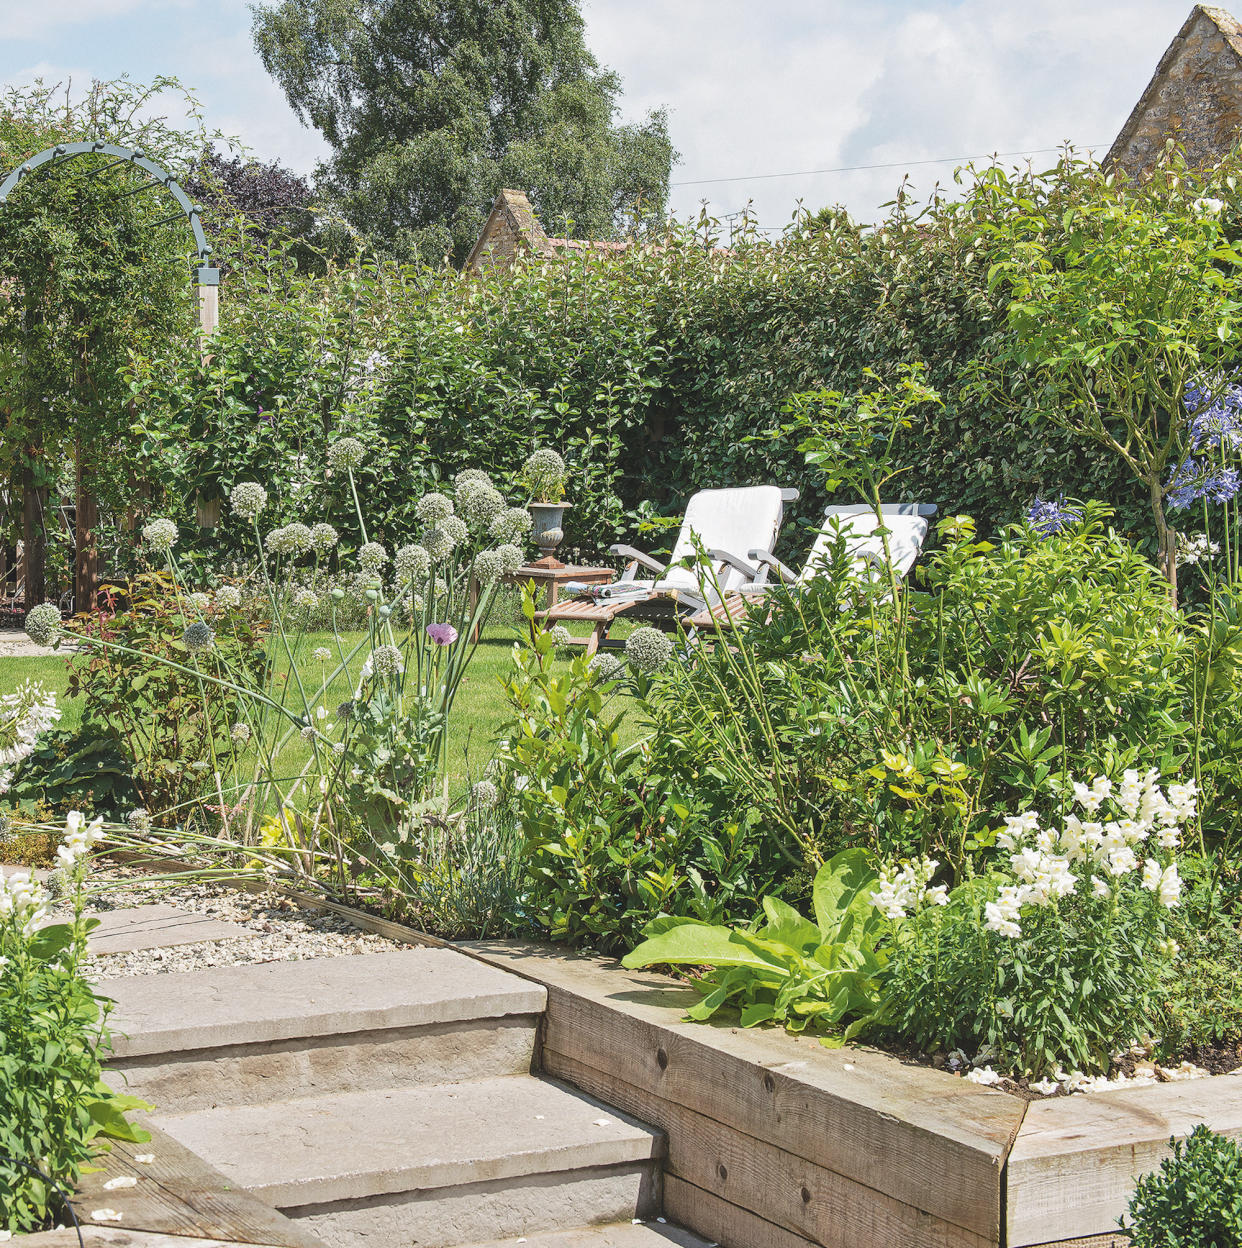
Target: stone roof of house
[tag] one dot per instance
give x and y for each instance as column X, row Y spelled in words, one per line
column 1195, row 96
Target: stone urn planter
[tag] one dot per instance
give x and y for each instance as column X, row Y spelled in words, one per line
column 547, row 529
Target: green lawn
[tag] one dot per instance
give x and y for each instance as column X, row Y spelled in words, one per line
column 479, row 712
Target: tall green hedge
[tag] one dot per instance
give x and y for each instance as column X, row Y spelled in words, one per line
column 656, row 372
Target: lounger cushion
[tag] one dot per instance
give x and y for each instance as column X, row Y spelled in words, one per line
column 905, row 541
column 736, row 520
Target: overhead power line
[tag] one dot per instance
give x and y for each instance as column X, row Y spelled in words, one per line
column 897, row 164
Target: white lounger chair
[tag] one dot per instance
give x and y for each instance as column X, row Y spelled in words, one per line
column 907, row 525
column 728, row 524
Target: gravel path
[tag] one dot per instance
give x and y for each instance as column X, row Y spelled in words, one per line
column 285, row 931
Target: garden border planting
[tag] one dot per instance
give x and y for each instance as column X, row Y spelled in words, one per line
column 776, row 1141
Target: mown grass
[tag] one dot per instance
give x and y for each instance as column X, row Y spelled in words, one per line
column 480, row 711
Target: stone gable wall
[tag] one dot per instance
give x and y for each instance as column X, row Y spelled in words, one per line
column 1195, row 96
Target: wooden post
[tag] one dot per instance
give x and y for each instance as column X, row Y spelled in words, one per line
column 34, row 534
column 86, row 552
column 209, row 309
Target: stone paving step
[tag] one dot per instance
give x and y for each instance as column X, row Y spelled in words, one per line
column 434, row 1166
column 244, row 1035
column 156, row 927
column 617, row 1235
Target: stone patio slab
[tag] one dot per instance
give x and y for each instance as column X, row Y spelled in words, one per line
column 157, row 927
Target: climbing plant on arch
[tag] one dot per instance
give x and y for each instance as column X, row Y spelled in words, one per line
column 93, row 244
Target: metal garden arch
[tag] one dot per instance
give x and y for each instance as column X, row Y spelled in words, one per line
column 206, row 276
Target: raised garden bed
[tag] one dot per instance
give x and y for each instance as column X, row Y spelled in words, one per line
column 775, row 1141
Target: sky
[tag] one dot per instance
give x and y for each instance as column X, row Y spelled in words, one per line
column 752, row 90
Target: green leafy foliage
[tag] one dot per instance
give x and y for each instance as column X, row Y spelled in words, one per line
column 431, row 110
column 84, row 769
column 55, row 1108
column 144, row 692
column 1084, row 976
column 787, row 969
column 1194, row 1200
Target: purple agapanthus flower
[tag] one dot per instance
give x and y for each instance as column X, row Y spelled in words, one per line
column 1214, row 415
column 1184, row 486
column 1221, row 485
column 442, row 634
column 1193, row 481
column 1050, row 516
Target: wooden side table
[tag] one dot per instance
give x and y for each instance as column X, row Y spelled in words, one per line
column 550, row 576
column 553, row 578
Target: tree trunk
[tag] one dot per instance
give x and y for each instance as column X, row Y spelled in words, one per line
column 34, row 531
column 86, row 550
column 1166, row 538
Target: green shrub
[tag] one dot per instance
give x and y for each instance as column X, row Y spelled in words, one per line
column 1055, row 958
column 172, row 725
column 54, row 1105
column 787, row 969
column 1194, row 1200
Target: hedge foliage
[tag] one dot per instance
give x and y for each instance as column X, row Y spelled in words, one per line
column 655, row 372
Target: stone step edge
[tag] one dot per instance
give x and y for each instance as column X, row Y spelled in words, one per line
column 612, row 1140
column 224, row 1007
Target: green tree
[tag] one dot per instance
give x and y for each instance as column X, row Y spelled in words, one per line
column 432, row 107
column 92, row 272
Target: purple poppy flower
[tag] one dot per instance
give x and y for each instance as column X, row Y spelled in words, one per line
column 442, row 634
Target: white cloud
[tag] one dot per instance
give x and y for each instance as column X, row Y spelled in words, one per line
column 792, row 87
column 32, row 19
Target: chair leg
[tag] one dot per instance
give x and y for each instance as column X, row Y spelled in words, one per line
column 597, row 635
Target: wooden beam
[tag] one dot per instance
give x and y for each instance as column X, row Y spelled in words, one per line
column 766, row 1182
column 931, row 1141
column 1074, row 1163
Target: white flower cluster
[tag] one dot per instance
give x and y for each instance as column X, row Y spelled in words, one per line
column 22, row 900
column 478, row 501
column 160, row 534
column 24, row 716
column 1194, row 549
column 372, row 557
column 43, row 623
column 80, row 838
column 345, row 454
column 323, row 538
column 247, row 499
column 412, row 563
column 511, row 525
column 906, row 888
column 647, row 649
column 228, row 598
column 433, row 509
column 1105, row 852
column 290, row 539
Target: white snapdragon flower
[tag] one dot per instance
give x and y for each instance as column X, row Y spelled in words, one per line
column 1002, row 914
column 1182, row 799
column 1170, row 890
column 1101, row 887
column 1152, row 871
column 1122, row 861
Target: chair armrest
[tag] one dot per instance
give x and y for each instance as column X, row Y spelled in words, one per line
column 767, row 561
column 637, row 557
column 723, row 556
